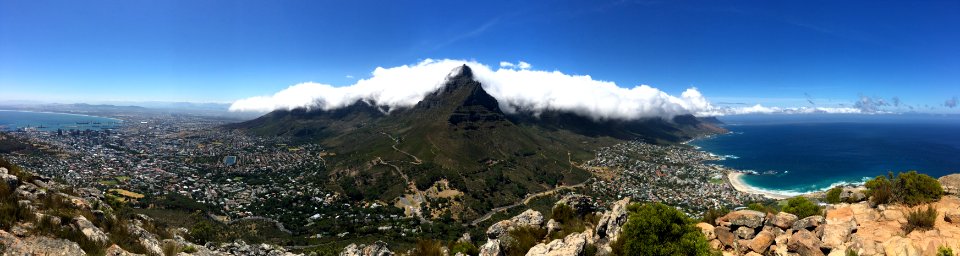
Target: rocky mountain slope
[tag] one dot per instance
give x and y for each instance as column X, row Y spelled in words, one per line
column 39, row 216
column 459, row 133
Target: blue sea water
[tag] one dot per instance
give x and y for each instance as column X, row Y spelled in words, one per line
column 815, row 152
column 15, row 120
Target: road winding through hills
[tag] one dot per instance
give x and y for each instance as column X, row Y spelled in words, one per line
column 526, row 200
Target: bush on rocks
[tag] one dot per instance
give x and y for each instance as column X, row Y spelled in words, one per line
column 910, row 188
column 802, row 207
column 922, row 219
column 833, row 195
column 658, row 229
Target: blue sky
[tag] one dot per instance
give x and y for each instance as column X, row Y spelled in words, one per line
column 778, row 53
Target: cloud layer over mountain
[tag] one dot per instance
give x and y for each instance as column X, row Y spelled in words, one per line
column 516, row 86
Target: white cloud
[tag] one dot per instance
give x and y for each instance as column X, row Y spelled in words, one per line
column 524, row 65
column 520, row 89
column 760, row 109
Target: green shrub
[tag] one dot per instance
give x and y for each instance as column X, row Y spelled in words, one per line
column 910, row 188
column 880, row 189
column 851, row 252
column 922, row 219
column 464, row 247
column 944, row 251
column 913, row 188
column 522, row 239
column 658, row 229
column 833, row 195
column 802, row 207
column 562, row 213
column 712, row 215
column 428, row 248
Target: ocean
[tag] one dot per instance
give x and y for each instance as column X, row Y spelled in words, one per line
column 796, row 154
column 15, row 120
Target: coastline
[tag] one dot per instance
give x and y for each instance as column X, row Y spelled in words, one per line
column 62, row 113
column 736, row 180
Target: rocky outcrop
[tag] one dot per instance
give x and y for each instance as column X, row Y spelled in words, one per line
column 782, row 220
column 115, row 250
column 38, row 245
column 805, row 242
column 491, row 248
column 528, row 218
column 748, row 218
column 950, row 183
column 92, row 232
column 146, row 239
column 10, row 179
column 610, row 222
column 580, row 203
column 378, row 248
column 571, row 245
column 240, row 247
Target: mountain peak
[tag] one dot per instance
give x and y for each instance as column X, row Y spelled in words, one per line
column 461, row 72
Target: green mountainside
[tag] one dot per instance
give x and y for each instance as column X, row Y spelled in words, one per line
column 459, row 133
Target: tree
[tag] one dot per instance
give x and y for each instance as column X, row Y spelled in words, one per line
column 802, row 207
column 913, row 188
column 833, row 195
column 658, row 229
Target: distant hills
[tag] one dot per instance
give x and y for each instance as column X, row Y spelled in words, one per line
column 459, row 133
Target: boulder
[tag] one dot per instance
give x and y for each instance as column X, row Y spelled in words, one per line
column 115, row 250
column 92, row 232
column 11, row 180
column 745, row 232
column 499, row 229
column 761, row 242
column 835, row 235
column 899, row 246
column 809, row 223
column 851, row 195
column 609, row 225
column 571, row 245
column 378, row 248
column 783, row 220
column 950, row 183
column 528, row 218
column 146, row 239
column 805, row 242
column 491, row 248
column 38, row 245
column 707, row 230
column 552, row 226
column 749, row 218
column 726, row 237
column 952, row 217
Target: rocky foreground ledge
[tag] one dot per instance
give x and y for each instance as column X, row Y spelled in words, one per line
column 859, row 227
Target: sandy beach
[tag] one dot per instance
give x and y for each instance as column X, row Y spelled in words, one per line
column 738, row 184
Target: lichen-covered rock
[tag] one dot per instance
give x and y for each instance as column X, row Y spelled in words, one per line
column 726, row 237
column 146, row 239
column 571, row 245
column 744, row 232
column 805, row 242
column 707, row 230
column 92, row 232
column 950, row 183
column 491, row 248
column 528, row 218
column 499, row 229
column 609, row 225
column 783, row 220
column 809, row 223
column 899, row 246
column 749, row 218
column 115, row 250
column 38, row 245
column 761, row 241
